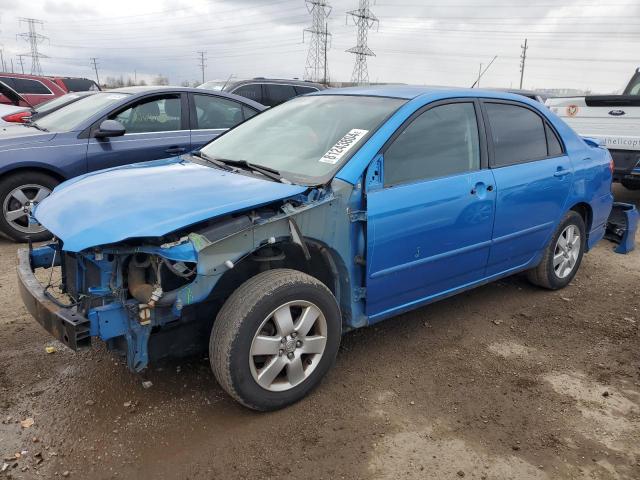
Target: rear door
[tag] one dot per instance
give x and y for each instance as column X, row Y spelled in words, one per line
column 156, row 127
column 533, row 178
column 211, row 115
column 429, row 223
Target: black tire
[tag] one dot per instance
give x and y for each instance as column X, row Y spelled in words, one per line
column 631, row 184
column 7, row 185
column 544, row 275
column 239, row 320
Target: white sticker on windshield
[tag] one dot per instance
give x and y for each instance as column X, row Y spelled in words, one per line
column 343, row 146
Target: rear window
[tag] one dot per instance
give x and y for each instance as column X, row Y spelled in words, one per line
column 26, row 86
column 79, row 84
column 302, row 90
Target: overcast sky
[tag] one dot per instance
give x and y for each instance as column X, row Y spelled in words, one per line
column 586, row 44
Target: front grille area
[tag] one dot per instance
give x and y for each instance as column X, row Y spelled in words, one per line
column 79, row 275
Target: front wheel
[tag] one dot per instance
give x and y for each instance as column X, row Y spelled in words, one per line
column 275, row 338
column 19, row 193
column 562, row 256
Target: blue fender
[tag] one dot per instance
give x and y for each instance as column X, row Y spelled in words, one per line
column 622, row 226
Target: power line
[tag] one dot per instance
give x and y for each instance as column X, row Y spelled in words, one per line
column 316, row 66
column 523, row 61
column 94, row 61
column 34, row 39
column 364, row 20
column 202, row 62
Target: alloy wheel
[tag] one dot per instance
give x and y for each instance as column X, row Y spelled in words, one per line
column 288, row 346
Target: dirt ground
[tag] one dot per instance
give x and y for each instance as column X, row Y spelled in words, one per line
column 503, row 382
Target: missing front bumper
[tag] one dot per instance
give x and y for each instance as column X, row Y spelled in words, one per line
column 64, row 324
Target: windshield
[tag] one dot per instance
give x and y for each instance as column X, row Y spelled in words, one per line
column 213, row 85
column 46, row 107
column 75, row 114
column 306, row 138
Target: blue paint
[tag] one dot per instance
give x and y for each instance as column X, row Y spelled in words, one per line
column 150, row 200
column 422, row 241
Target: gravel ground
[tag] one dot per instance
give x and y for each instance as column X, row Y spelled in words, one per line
column 505, row 381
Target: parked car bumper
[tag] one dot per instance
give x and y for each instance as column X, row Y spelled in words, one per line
column 64, row 324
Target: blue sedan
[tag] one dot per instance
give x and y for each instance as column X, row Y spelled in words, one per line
column 104, row 130
column 330, row 212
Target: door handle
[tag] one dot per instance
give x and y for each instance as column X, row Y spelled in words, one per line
column 175, row 150
column 561, row 172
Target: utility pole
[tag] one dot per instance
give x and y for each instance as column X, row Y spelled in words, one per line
column 365, row 20
column 326, row 36
column 95, row 67
column 21, row 62
column 202, row 63
column 523, row 61
column 316, row 68
column 34, row 39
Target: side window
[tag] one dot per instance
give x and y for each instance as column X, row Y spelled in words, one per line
column 553, row 144
column 252, row 91
column 518, row 134
column 216, row 112
column 277, row 94
column 26, row 86
column 442, row 141
column 302, row 90
column 160, row 114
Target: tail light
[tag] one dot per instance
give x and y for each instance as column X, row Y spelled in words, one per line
column 20, row 117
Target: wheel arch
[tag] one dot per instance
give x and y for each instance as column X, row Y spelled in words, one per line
column 323, row 263
column 39, row 168
column 586, row 212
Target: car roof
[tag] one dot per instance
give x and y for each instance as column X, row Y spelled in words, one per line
column 409, row 92
column 161, row 89
column 288, row 81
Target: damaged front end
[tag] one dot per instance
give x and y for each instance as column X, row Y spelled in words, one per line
column 154, row 297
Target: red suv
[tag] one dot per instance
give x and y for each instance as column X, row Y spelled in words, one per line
column 37, row 89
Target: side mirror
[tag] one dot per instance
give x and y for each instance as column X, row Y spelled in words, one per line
column 110, row 128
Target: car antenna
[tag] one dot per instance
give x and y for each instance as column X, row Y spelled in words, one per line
column 228, row 80
column 484, row 71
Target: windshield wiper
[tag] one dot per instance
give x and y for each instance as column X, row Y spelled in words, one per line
column 209, row 159
column 266, row 171
column 35, row 125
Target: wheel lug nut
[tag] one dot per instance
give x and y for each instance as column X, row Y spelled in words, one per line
column 290, row 356
column 294, row 335
column 298, row 344
column 280, row 352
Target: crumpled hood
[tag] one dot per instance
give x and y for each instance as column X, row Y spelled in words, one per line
column 149, row 200
column 18, row 135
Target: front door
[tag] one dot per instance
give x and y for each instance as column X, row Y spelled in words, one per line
column 533, row 181
column 429, row 225
column 156, row 128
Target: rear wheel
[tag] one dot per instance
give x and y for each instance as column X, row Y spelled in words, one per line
column 562, row 256
column 19, row 193
column 631, row 184
column 275, row 338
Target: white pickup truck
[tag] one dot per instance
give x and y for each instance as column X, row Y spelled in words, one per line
column 613, row 119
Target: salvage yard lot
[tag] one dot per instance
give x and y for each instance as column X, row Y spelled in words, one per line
column 505, row 381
